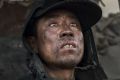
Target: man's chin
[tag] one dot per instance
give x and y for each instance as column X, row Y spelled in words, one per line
column 67, row 63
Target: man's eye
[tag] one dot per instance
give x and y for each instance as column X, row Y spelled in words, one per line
column 53, row 25
column 73, row 25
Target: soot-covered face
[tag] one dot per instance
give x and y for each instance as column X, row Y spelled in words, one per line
column 59, row 39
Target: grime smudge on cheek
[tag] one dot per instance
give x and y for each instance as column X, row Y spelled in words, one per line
column 50, row 35
column 79, row 35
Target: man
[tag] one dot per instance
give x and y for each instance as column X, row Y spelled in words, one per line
column 58, row 36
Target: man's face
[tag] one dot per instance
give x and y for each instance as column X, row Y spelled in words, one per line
column 60, row 39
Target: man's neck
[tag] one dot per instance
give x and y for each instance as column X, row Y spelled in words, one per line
column 61, row 74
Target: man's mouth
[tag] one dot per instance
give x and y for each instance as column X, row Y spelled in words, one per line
column 68, row 45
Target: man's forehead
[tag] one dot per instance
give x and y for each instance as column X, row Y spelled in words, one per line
column 59, row 13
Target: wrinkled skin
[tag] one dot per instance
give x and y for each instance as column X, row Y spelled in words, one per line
column 54, row 31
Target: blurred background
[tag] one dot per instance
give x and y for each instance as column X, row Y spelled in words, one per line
column 13, row 14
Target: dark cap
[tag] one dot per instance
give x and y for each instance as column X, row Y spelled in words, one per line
column 86, row 11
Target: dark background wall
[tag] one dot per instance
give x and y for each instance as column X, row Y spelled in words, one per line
column 12, row 53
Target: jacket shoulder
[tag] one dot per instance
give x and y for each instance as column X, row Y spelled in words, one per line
column 27, row 77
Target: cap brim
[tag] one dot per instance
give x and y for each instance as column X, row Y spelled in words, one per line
column 87, row 12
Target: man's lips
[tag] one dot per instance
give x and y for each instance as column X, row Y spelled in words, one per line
column 68, row 45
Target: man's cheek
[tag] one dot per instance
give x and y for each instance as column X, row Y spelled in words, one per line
column 80, row 36
column 50, row 35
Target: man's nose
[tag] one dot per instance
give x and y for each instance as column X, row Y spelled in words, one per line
column 66, row 33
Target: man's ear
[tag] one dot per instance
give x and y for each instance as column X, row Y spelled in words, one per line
column 32, row 42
